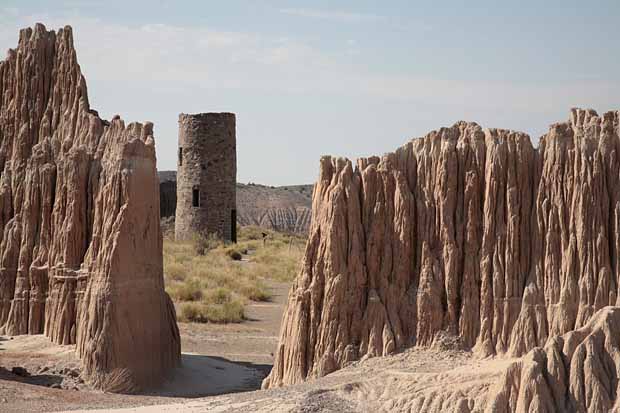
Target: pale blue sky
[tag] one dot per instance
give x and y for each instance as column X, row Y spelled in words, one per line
column 347, row 78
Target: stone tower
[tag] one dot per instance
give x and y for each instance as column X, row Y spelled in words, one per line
column 206, row 176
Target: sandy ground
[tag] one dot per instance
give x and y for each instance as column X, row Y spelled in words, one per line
column 413, row 381
column 252, row 341
column 223, row 366
column 217, row 359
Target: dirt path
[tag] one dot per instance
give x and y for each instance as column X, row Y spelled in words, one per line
column 252, row 341
column 217, row 359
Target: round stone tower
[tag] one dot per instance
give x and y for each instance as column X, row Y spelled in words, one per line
column 206, row 176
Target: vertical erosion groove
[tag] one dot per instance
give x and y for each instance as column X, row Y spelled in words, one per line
column 467, row 231
column 81, row 253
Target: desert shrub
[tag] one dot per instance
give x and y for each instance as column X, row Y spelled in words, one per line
column 255, row 290
column 248, row 245
column 192, row 312
column 197, row 312
column 233, row 311
column 230, row 312
column 174, row 270
column 219, row 295
column 205, row 243
column 251, row 233
column 234, row 254
column 189, row 290
column 210, row 287
column 277, row 262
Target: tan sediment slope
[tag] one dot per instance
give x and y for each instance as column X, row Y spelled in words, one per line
column 81, row 247
column 470, row 232
column 283, row 208
column 575, row 372
column 418, row 380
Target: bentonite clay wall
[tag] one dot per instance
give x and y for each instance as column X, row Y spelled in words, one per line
column 467, row 231
column 574, row 372
column 81, row 248
column 206, row 176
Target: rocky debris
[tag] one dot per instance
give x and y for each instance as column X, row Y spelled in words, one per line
column 323, row 400
column 283, row 208
column 81, row 247
column 54, row 377
column 468, row 231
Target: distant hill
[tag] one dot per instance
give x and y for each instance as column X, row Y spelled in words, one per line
column 282, row 208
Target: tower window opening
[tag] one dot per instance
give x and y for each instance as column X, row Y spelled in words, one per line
column 180, row 155
column 233, row 225
column 196, row 197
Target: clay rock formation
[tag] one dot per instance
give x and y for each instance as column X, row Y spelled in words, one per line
column 81, row 248
column 576, row 372
column 467, row 232
column 283, row 208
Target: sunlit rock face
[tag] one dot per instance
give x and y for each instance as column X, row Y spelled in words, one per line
column 81, row 248
column 467, row 231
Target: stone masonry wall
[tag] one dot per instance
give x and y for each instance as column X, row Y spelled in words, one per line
column 207, row 162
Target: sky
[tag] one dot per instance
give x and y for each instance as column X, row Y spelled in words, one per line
column 345, row 78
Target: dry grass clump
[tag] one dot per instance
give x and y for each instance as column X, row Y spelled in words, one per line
column 175, row 271
column 186, row 290
column 210, row 281
column 276, row 256
column 206, row 243
column 230, row 312
column 234, row 254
